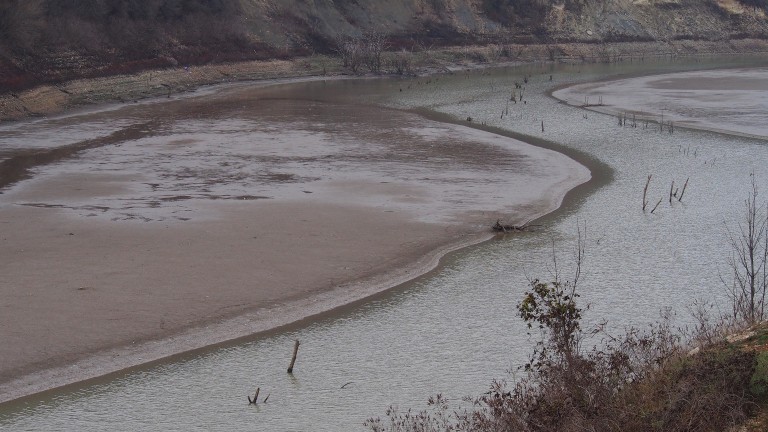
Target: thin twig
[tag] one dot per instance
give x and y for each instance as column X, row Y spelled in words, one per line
column 645, row 192
column 656, row 206
column 680, row 199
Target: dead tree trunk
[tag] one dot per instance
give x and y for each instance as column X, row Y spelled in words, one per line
column 293, row 358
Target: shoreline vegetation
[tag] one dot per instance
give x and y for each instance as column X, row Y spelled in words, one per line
column 73, row 95
column 712, row 376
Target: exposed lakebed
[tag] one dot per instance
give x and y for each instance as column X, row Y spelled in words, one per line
column 456, row 329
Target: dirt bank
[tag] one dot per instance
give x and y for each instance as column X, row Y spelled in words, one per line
column 52, row 99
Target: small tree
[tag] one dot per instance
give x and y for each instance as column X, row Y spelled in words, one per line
column 356, row 52
column 749, row 256
column 552, row 307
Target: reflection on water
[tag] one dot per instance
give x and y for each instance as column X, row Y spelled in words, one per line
column 456, row 330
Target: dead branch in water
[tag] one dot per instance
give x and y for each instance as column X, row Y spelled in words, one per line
column 500, row 227
column 680, row 199
column 255, row 398
column 645, row 192
column 656, row 206
column 671, row 187
column 293, row 358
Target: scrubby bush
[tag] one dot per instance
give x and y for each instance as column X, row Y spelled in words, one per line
column 367, row 50
column 645, row 380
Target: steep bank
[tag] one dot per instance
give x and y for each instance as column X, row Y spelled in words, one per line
column 50, row 99
column 54, row 41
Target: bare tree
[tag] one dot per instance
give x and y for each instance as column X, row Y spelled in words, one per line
column 357, row 51
column 350, row 50
column 374, row 44
column 749, row 256
column 400, row 63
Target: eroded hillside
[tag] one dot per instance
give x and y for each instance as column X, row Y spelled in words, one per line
column 55, row 40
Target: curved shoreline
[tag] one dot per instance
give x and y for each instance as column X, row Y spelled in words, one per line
column 117, row 361
column 252, row 324
column 218, row 331
column 242, row 327
column 641, row 84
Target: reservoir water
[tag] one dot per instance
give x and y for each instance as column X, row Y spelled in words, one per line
column 455, row 330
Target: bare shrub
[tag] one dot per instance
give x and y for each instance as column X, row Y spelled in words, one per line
column 373, row 47
column 351, row 52
column 644, row 380
column 400, row 63
column 356, row 52
column 748, row 260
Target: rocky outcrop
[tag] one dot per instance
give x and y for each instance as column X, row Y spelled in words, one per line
column 500, row 21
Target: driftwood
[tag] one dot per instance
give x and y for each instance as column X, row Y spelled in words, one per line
column 500, row 227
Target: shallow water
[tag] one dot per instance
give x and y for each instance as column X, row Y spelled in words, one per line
column 732, row 100
column 164, row 161
column 456, row 330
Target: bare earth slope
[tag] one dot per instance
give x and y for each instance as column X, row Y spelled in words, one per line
column 51, row 41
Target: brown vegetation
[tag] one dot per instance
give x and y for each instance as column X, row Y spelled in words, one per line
column 642, row 381
column 645, row 381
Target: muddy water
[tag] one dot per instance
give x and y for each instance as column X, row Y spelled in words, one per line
column 455, row 330
column 246, row 144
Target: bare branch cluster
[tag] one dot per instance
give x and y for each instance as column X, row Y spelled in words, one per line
column 364, row 51
column 400, row 63
column 748, row 260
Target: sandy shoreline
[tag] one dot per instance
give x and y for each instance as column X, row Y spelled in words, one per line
column 114, row 259
column 276, row 311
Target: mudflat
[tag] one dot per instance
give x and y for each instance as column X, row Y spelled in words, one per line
column 687, row 99
column 161, row 227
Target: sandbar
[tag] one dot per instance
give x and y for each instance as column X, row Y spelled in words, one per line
column 687, row 99
column 175, row 225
